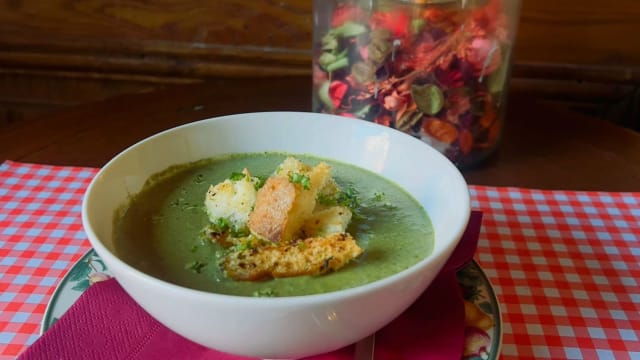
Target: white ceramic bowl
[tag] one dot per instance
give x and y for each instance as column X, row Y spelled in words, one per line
column 286, row 327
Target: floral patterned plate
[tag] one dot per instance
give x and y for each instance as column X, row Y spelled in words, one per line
column 483, row 331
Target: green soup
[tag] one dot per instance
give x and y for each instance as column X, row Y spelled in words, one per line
column 160, row 230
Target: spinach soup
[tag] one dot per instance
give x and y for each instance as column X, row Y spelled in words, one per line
column 164, row 230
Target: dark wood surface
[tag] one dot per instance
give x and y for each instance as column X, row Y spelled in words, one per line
column 544, row 146
column 60, row 53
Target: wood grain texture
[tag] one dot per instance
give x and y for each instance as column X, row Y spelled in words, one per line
column 58, row 53
column 209, row 38
column 584, row 32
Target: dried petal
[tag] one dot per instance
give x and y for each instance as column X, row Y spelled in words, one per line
column 484, row 55
column 346, row 13
column 380, row 34
column 441, row 130
column 428, row 98
column 337, row 89
column 408, row 120
column 363, row 72
column 383, row 119
column 329, row 42
column 394, row 101
column 397, row 22
column 489, row 116
column 378, row 50
column 466, row 141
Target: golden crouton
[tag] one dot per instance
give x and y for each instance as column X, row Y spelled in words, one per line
column 273, row 205
column 287, row 200
column 311, row 256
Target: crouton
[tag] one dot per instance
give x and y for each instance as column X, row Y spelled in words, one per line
column 327, row 221
column 232, row 200
column 311, row 256
column 274, row 201
column 287, row 200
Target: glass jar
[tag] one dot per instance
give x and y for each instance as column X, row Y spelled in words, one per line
column 435, row 69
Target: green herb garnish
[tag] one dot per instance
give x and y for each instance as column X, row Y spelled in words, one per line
column 235, row 176
column 268, row 292
column 378, row 196
column 349, row 198
column 195, row 266
column 301, row 179
column 259, row 182
column 221, row 224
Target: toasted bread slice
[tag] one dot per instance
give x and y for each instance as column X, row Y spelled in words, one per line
column 283, row 205
column 274, row 201
column 311, row 256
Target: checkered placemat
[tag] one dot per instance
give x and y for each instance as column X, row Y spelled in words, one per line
column 565, row 265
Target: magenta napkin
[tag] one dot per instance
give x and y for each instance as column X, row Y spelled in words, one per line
column 105, row 323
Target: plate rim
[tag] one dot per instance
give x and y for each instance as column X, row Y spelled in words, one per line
column 496, row 340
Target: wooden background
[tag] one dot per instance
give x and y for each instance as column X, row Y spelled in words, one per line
column 56, row 53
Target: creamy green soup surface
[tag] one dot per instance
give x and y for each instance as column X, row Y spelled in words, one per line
column 160, row 230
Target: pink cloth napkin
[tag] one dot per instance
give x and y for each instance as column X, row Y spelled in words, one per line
column 105, row 323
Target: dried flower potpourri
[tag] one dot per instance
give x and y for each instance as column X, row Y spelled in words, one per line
column 435, row 69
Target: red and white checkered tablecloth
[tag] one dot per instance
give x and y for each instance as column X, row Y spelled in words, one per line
column 565, row 265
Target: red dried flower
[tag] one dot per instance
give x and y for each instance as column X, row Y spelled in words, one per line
column 344, row 13
column 397, row 22
column 337, row 90
column 484, row 55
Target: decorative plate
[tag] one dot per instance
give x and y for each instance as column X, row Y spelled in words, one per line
column 483, row 331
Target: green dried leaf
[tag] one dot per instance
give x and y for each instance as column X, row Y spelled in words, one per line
column 323, row 95
column 326, row 59
column 417, row 25
column 429, row 98
column 349, row 29
column 338, row 64
column 329, row 43
column 361, row 113
column 363, row 72
column 380, row 34
column 378, row 50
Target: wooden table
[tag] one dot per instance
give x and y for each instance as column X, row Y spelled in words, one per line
column 544, row 146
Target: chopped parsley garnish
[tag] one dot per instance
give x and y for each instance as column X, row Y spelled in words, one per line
column 349, row 198
column 301, row 179
column 268, row 292
column 245, row 245
column 235, row 176
column 260, row 182
column 222, row 224
column 195, row 266
column 378, row 196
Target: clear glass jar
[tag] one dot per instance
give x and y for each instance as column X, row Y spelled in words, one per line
column 435, row 69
